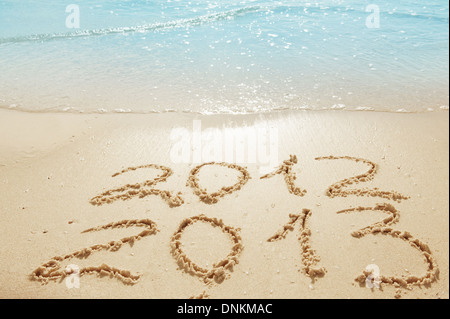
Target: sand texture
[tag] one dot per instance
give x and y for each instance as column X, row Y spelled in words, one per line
column 100, row 206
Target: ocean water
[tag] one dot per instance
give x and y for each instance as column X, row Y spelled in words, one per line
column 223, row 56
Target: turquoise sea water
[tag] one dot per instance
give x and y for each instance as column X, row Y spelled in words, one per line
column 224, row 56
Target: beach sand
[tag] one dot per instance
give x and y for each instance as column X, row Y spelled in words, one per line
column 108, row 194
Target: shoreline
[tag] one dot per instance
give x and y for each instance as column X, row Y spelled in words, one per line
column 334, row 108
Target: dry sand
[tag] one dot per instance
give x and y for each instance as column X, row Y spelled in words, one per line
column 103, row 193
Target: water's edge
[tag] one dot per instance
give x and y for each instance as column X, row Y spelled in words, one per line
column 443, row 108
